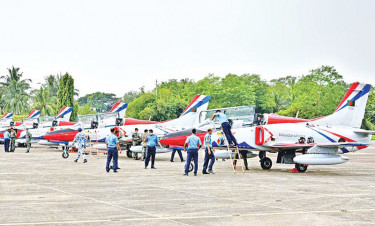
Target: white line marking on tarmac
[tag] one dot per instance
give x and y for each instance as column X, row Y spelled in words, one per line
column 193, row 217
column 110, row 204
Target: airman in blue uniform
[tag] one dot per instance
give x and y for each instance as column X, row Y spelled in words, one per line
column 194, row 143
column 6, row 140
column 151, row 140
column 223, row 119
column 113, row 147
column 209, row 154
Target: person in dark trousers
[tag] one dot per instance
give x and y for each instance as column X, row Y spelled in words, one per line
column 6, row 140
column 223, row 119
column 179, row 153
column 194, row 144
column 113, row 147
column 151, row 140
column 209, row 153
column 243, row 154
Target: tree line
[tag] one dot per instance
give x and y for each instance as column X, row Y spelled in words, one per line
column 312, row 95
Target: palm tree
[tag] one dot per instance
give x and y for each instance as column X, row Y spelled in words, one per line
column 15, row 96
column 44, row 101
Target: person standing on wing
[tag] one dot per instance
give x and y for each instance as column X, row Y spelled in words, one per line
column 194, row 145
column 81, row 139
column 223, row 119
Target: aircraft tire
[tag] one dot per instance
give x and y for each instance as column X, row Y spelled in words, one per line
column 129, row 154
column 301, row 167
column 262, row 154
column 266, row 163
column 65, row 154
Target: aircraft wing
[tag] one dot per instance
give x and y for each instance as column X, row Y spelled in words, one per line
column 365, row 131
column 321, row 145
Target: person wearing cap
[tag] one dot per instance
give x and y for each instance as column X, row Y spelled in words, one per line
column 223, row 119
column 13, row 136
column 113, row 147
column 81, row 140
column 151, row 140
column 6, row 140
column 28, row 140
column 209, row 155
column 194, row 143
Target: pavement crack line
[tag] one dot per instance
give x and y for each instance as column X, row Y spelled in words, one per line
column 111, row 204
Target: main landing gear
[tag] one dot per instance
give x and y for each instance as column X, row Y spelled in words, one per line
column 265, row 162
column 284, row 157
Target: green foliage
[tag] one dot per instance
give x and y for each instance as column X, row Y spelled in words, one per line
column 101, row 102
column 85, row 109
column 18, row 118
column 14, row 96
column 65, row 95
column 373, row 137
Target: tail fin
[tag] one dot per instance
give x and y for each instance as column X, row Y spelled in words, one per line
column 8, row 116
column 120, row 108
column 64, row 114
column 188, row 116
column 351, row 110
column 34, row 114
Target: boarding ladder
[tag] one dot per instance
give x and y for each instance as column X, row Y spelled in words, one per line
column 93, row 141
column 234, row 156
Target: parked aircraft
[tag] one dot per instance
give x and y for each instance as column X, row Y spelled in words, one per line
column 310, row 137
column 95, row 125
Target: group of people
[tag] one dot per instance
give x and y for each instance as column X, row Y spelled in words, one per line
column 10, row 136
column 148, row 141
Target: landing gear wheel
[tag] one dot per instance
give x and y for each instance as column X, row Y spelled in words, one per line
column 191, row 167
column 266, row 163
column 301, row 167
column 129, row 154
column 262, row 154
column 65, row 154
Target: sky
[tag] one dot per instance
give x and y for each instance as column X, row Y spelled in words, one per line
column 119, row 46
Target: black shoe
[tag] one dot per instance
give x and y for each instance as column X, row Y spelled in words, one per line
column 115, row 171
column 107, row 171
column 182, row 160
column 204, row 172
column 247, row 168
column 85, row 160
column 211, row 172
column 185, row 174
column 75, row 160
column 171, row 160
column 153, row 167
column 118, row 167
column 145, row 167
column 195, row 174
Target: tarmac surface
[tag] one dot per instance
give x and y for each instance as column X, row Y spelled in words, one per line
column 42, row 188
